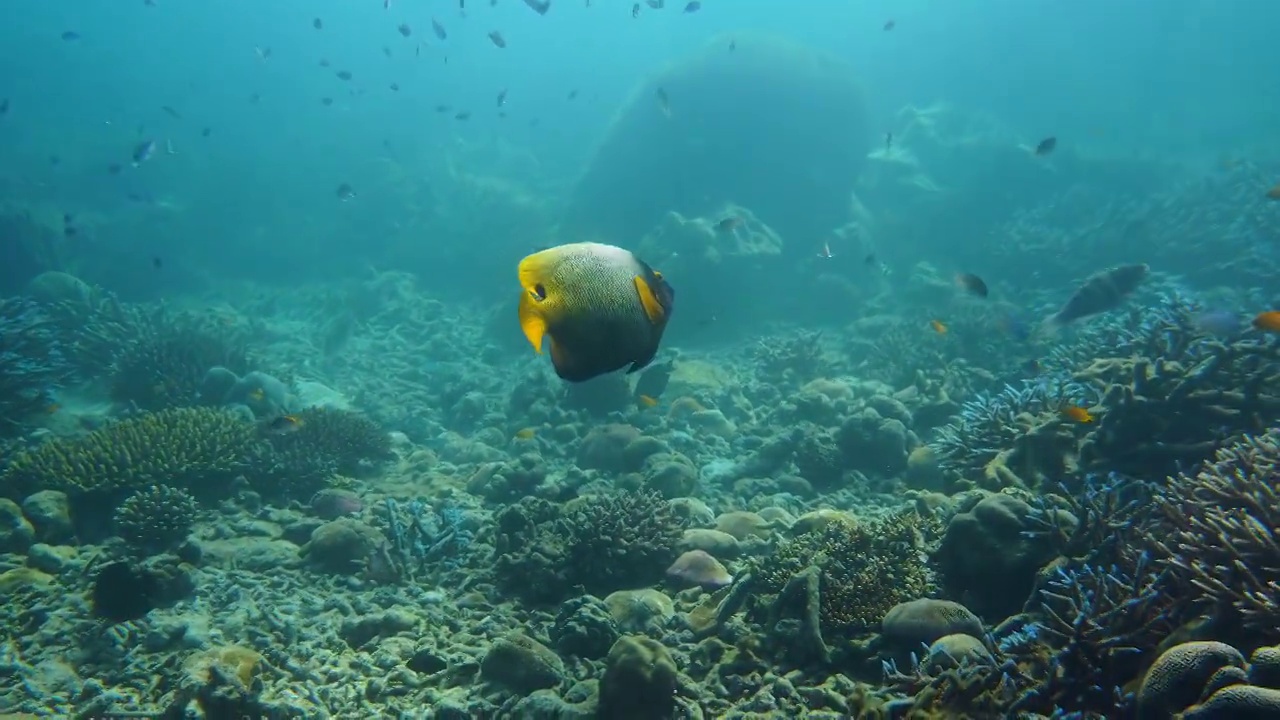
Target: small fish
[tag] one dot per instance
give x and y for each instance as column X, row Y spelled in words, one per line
column 1099, row 293
column 1077, row 414
column 888, row 141
column 344, row 75
column 889, row 25
column 971, row 284
column 601, row 307
column 655, row 4
column 439, row 29
column 496, row 38
column 143, row 151
column 386, row 4
column 502, row 97
column 664, row 102
column 526, row 433
column 395, row 87
column 635, row 11
column 70, row 36
column 573, row 94
column 263, row 53
column 324, row 62
column 653, row 382
column 4, row 106
column 692, row 7
column 539, row 6
column 938, row 327
column 168, row 147
column 1032, row 367
column 157, row 262
column 1046, row 146
column 405, row 30
column 825, row 252
column 345, row 193
column 1274, row 193
column 464, row 115
column 443, row 108
column 326, row 101
column 733, row 45
column 286, row 424
column 171, row 112
column 317, row 24
column 386, row 51
column 729, row 224
column 1268, row 321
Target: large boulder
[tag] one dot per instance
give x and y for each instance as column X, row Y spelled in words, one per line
column 769, row 125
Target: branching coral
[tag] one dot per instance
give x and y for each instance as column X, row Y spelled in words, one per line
column 196, row 448
column 33, row 363
column 343, row 438
column 165, row 364
column 156, row 518
column 864, row 569
column 599, row 543
column 791, row 359
column 1216, row 534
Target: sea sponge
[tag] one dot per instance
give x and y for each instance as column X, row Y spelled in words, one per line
column 195, row 448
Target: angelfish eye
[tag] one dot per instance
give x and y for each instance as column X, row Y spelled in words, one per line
column 540, row 292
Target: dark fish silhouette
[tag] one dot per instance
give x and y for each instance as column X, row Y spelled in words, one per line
column 1101, row 292
column 1046, row 146
column 653, row 381
column 439, row 29
column 971, row 284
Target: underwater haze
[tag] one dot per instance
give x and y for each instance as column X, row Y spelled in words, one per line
column 477, row 359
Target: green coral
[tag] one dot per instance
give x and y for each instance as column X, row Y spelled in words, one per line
column 155, row 519
column 186, row 447
column 345, row 439
column 865, row 569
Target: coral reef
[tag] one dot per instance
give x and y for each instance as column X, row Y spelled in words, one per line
column 155, row 519
column 33, row 363
column 165, row 364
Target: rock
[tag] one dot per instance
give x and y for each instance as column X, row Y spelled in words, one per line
column 715, row 542
column 950, row 652
column 604, row 449
column 584, row 628
column 50, row 514
column 50, row 558
column 640, row 681
column 670, row 475
column 924, row 472
column 697, row 567
column 637, row 610
column 521, row 664
column 16, row 534
column 742, row 525
column 342, row 546
column 921, row 622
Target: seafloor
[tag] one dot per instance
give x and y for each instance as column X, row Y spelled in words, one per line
column 889, row 521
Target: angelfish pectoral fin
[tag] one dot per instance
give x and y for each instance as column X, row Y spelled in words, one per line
column 649, row 301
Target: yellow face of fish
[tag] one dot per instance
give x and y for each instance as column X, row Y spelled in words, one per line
column 569, row 289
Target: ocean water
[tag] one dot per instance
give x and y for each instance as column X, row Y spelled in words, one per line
column 961, row 402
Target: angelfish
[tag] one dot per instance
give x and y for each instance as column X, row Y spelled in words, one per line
column 1102, row 291
column 600, row 308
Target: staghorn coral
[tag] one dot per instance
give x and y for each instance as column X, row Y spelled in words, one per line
column 1215, row 534
column 195, row 448
column 1013, row 437
column 33, row 363
column 864, row 569
column 155, row 519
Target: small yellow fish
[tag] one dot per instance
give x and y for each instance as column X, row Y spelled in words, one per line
column 1075, row 413
column 647, row 401
column 526, row 433
column 1268, row 321
column 938, row 327
column 257, row 395
column 286, row 424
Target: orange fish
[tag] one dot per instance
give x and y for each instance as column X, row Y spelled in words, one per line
column 647, row 401
column 526, row 433
column 1274, row 193
column 938, row 327
column 1268, row 321
column 1075, row 413
column 286, row 424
